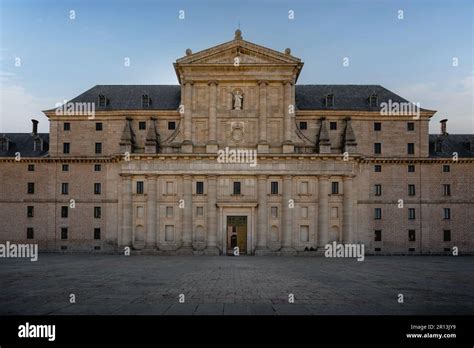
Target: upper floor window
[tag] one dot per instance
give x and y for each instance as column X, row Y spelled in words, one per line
column 142, row 125
column 378, row 213
column 334, row 187
column 65, row 167
column 410, row 126
column 274, row 187
column 411, row 168
column 199, row 188
column 98, row 126
column 446, row 190
column 31, row 167
column 98, row 148
column 446, row 168
column 97, row 212
column 145, row 101
column 333, row 125
column 66, row 147
column 411, row 190
column 378, row 168
column 96, row 233
column 102, row 101
column 29, row 233
column 66, row 126
column 447, row 213
column 377, row 126
column 411, row 214
column 303, row 125
column 237, row 188
column 97, row 167
column 140, row 187
column 378, row 190
column 373, row 100
column 329, row 101
column 64, row 211
column 171, row 125
column 63, row 232
column 38, row 144
column 97, row 188
column 30, row 211
column 377, row 148
column 31, row 188
column 411, row 148
column 65, row 188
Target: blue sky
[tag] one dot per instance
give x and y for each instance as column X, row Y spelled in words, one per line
column 62, row 57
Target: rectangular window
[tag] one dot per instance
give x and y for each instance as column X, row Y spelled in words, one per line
column 378, row 235
column 377, row 126
column 378, row 213
column 31, row 167
column 67, row 126
column 30, row 233
column 199, row 188
column 98, row 126
column 140, row 187
column 334, row 187
column 447, row 235
column 97, row 188
column 63, row 232
column 96, row 233
column 446, row 190
column 377, row 148
column 102, row 101
column 31, row 188
column 447, row 213
column 30, row 211
column 169, row 187
column 446, row 168
column 304, row 233
column 169, row 233
column 378, row 190
column 411, row 190
column 64, row 211
column 410, row 126
column 333, row 125
column 97, row 212
column 236, row 188
column 411, row 214
column 411, row 148
column 65, row 167
column 274, row 187
column 411, row 168
column 274, row 212
column 171, row 125
column 169, row 212
column 377, row 168
column 65, row 188
column 199, row 211
column 304, row 188
column 66, row 147
column 411, row 235
column 303, row 125
column 141, row 125
column 98, row 148
column 97, row 167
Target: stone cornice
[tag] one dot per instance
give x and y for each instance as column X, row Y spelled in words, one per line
column 369, row 115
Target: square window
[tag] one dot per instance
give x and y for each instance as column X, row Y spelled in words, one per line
column 378, row 235
column 447, row 235
column 67, row 126
column 335, row 188
column 140, row 187
column 64, row 211
column 169, row 233
column 446, row 168
column 199, row 188
column 63, row 232
column 31, row 188
column 31, row 167
column 141, row 125
column 236, row 188
column 98, row 126
column 169, row 212
column 97, row 188
column 411, row 235
column 199, row 211
column 97, row 212
column 377, row 168
column 64, row 188
column 303, row 125
column 66, row 148
column 29, row 233
column 97, row 233
column 30, row 211
column 333, row 125
column 411, row 148
column 411, row 168
column 410, row 126
column 171, row 125
column 98, row 148
column 274, row 211
column 377, row 126
column 97, row 167
column 65, row 167
column 274, row 187
column 377, row 148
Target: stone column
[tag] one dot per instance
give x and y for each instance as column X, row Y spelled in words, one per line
column 211, row 247
column 151, row 212
column 187, row 215
column 262, row 223
column 211, row 146
column 287, row 221
column 288, row 146
column 323, row 222
column 263, row 146
column 347, row 210
column 187, row 146
column 127, row 211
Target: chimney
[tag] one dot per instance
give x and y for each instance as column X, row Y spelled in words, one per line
column 35, row 127
column 443, row 126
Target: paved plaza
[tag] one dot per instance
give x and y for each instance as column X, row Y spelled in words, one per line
column 245, row 285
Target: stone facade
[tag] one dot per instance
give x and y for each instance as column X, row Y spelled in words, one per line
column 165, row 188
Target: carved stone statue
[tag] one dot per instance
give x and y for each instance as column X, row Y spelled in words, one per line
column 238, row 100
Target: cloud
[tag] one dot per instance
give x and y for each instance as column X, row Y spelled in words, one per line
column 452, row 99
column 18, row 107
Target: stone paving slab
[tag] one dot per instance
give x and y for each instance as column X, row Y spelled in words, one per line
column 245, row 285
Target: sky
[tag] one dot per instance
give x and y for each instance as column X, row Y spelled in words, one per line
column 49, row 54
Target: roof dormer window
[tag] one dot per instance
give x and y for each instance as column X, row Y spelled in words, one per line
column 3, row 144
column 373, row 100
column 38, row 145
column 438, row 145
column 102, row 101
column 145, row 101
column 329, row 101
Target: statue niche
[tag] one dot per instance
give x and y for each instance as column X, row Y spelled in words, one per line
column 237, row 99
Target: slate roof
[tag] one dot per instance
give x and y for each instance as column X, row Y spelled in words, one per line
column 450, row 143
column 167, row 97
column 24, row 144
